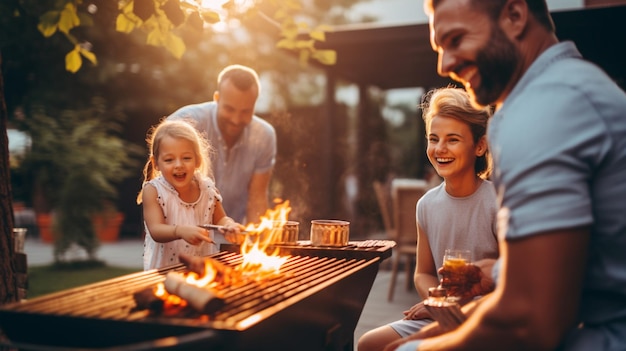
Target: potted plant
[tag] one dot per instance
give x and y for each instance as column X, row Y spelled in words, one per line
column 75, row 161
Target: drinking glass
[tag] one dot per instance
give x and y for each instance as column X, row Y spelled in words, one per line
column 454, row 263
column 454, row 258
column 19, row 238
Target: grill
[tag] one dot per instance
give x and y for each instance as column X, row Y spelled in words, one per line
column 313, row 304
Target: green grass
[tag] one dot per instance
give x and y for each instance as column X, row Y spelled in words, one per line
column 44, row 280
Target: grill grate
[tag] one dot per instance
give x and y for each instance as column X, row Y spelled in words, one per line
column 113, row 299
column 311, row 283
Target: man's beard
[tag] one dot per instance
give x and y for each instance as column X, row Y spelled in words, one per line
column 496, row 63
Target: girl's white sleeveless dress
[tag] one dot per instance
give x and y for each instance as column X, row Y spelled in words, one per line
column 178, row 212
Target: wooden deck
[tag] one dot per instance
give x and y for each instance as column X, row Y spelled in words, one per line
column 378, row 311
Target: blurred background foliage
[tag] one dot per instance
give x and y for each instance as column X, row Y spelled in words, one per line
column 146, row 83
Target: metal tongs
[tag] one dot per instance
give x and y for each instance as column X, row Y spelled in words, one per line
column 221, row 228
column 229, row 235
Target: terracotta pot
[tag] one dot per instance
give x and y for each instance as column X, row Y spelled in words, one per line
column 44, row 224
column 107, row 226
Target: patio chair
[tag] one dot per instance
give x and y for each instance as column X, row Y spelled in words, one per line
column 404, row 196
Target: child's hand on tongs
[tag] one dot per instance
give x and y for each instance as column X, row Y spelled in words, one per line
column 233, row 232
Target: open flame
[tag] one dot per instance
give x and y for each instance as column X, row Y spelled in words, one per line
column 257, row 262
column 255, row 252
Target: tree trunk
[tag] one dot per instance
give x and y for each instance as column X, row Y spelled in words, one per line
column 8, row 281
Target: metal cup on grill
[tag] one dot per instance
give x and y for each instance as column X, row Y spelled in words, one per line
column 329, row 232
column 285, row 233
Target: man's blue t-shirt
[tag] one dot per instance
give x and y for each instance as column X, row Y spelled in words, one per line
column 559, row 146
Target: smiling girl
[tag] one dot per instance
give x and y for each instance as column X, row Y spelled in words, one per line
column 459, row 213
column 177, row 196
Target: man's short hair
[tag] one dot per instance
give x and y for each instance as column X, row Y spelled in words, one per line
column 493, row 8
column 241, row 76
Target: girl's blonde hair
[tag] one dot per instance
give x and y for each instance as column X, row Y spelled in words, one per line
column 455, row 103
column 179, row 129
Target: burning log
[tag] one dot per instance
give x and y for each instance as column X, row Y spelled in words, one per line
column 196, row 288
column 174, row 295
column 147, row 300
column 221, row 274
column 199, row 287
column 201, row 299
column 193, row 263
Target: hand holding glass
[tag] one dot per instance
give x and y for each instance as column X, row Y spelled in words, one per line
column 457, row 272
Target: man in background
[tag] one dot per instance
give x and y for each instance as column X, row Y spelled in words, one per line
column 244, row 145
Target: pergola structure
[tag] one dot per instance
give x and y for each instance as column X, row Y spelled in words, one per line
column 401, row 56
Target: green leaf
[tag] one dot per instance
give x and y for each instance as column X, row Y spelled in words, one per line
column 89, row 55
column 124, row 24
column 161, row 20
column 305, row 44
column 286, row 44
column 175, row 45
column 48, row 23
column 155, row 37
column 69, row 18
column 327, row 57
column 281, row 14
column 318, row 35
column 289, row 31
column 188, row 6
column 126, row 7
column 304, row 57
column 85, row 19
column 210, row 16
column 324, row 28
column 293, row 5
column 229, row 5
column 73, row 61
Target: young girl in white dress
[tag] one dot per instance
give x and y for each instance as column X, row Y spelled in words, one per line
column 178, row 194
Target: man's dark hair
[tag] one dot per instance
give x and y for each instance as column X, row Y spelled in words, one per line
column 493, row 8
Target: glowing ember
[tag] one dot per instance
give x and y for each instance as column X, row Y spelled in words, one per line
column 170, row 301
